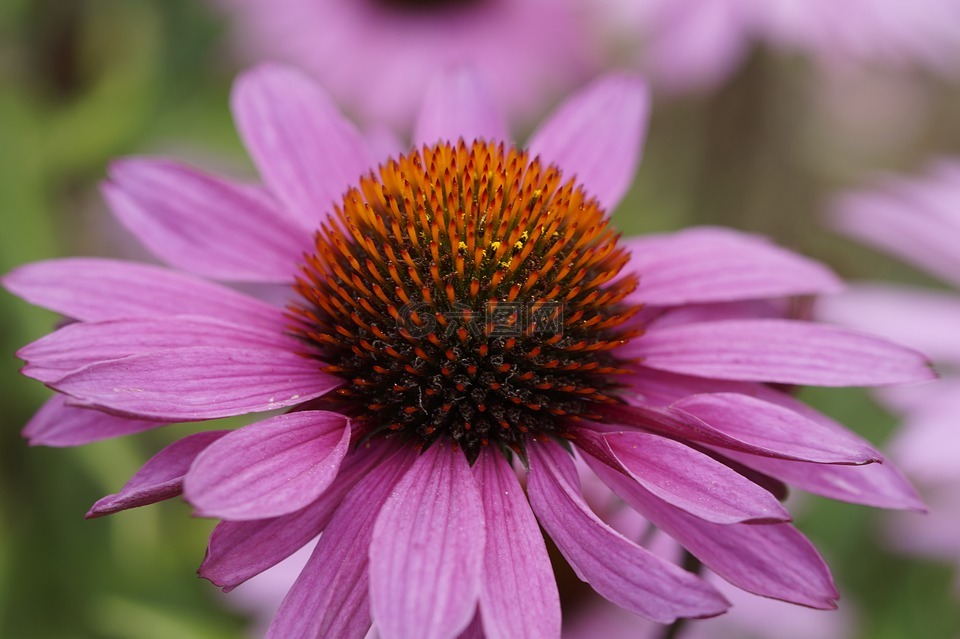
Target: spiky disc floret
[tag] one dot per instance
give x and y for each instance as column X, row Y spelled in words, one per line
column 467, row 292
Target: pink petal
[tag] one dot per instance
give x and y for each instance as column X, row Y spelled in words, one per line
column 659, row 317
column 623, row 572
column 750, row 611
column 880, row 485
column 773, row 560
column 680, row 424
column 383, row 142
column 777, row 428
column 877, row 485
column 719, row 265
column 205, row 224
column 896, row 220
column 160, row 478
column 783, row 351
column 427, row 551
column 691, row 45
column 331, row 598
column 187, row 384
column 306, row 151
column 518, row 595
column 81, row 344
column 926, row 320
column 91, row 290
column 659, row 388
column 239, row 550
column 476, row 630
column 690, row 480
column 926, row 444
column 57, row 424
column 270, row 468
column 936, row 534
column 597, row 136
column 457, row 105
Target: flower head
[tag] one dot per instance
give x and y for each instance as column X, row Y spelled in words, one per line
column 457, row 312
column 915, row 219
column 466, row 293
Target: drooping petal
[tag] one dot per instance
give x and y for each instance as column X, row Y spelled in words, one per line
column 877, row 485
column 518, row 595
column 270, row 468
column 680, row 424
column 239, row 550
column 773, row 560
column 91, row 290
column 777, row 428
column 880, row 485
column 331, row 598
column 81, row 344
column 306, row 151
column 160, row 478
column 57, row 424
column 691, row 480
column 782, row 351
column 187, row 384
column 205, row 224
column 623, row 572
column 426, row 555
column 598, row 136
column 706, row 265
column 457, row 105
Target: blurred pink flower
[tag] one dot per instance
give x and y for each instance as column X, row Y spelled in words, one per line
column 407, row 413
column 681, row 45
column 696, row 44
column 916, row 219
column 749, row 617
column 377, row 57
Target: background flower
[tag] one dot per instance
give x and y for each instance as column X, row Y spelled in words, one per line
column 916, row 219
column 697, row 44
column 377, row 57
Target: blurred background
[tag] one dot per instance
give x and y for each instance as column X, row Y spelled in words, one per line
column 84, row 81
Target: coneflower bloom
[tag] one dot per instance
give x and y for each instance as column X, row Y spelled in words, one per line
column 695, row 44
column 916, row 219
column 458, row 313
column 377, row 57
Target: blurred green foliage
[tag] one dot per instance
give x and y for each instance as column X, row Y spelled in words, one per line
column 84, row 81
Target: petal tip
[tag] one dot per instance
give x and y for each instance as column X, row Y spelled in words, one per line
column 101, row 508
column 10, row 280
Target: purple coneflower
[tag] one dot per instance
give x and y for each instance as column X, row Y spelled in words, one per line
column 695, row 44
column 377, row 57
column 457, row 313
column 918, row 220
